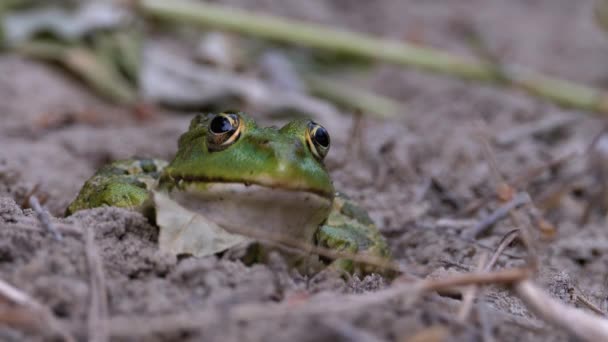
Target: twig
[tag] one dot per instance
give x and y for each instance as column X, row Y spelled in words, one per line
column 504, row 210
column 435, row 332
column 550, row 198
column 504, row 242
column 469, row 295
column 486, row 328
column 454, row 223
column 506, row 276
column 287, row 241
column 138, row 325
column 522, row 180
column 560, row 91
column 550, row 123
column 526, row 177
column 98, row 311
column 39, row 314
column 516, row 217
column 586, row 302
column 23, row 225
column 26, row 198
column 16, row 296
column 349, row 332
column 582, row 325
column 423, row 226
column 44, row 218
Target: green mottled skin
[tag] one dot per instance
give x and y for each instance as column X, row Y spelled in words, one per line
column 350, row 229
column 124, row 183
column 276, row 158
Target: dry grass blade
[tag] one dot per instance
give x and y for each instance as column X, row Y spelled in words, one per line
column 582, row 325
column 98, row 311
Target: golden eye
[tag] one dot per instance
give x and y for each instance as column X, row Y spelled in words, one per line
column 224, row 130
column 317, row 139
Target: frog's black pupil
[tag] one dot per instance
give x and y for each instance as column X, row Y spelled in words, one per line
column 220, row 124
column 322, row 137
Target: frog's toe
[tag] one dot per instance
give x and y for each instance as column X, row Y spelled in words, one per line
column 352, row 239
column 344, row 267
column 338, row 239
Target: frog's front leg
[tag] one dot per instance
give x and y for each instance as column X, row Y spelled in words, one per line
column 350, row 230
column 124, row 184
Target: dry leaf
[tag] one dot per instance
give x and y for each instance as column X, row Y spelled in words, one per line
column 185, row 232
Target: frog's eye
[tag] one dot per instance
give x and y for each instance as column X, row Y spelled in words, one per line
column 317, row 139
column 224, row 130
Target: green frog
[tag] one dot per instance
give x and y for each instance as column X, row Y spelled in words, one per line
column 238, row 174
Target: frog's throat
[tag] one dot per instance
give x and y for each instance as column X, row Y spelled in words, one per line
column 267, row 182
column 274, row 211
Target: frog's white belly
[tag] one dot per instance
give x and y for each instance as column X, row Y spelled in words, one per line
column 262, row 211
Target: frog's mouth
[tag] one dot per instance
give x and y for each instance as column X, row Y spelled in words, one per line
column 268, row 182
column 293, row 213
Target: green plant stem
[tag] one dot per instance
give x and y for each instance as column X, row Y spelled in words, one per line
column 86, row 65
column 347, row 96
column 364, row 46
column 129, row 47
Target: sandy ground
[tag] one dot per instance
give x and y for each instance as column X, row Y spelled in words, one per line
column 409, row 173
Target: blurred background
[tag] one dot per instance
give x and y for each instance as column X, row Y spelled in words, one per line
column 440, row 114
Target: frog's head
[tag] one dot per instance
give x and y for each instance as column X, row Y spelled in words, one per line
column 240, row 174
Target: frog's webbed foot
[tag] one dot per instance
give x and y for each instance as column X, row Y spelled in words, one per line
column 349, row 230
column 124, row 184
column 341, row 240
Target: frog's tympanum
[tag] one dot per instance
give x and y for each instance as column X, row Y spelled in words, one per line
column 245, row 177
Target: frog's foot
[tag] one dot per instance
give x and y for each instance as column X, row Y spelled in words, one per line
column 349, row 230
column 124, row 184
column 339, row 239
